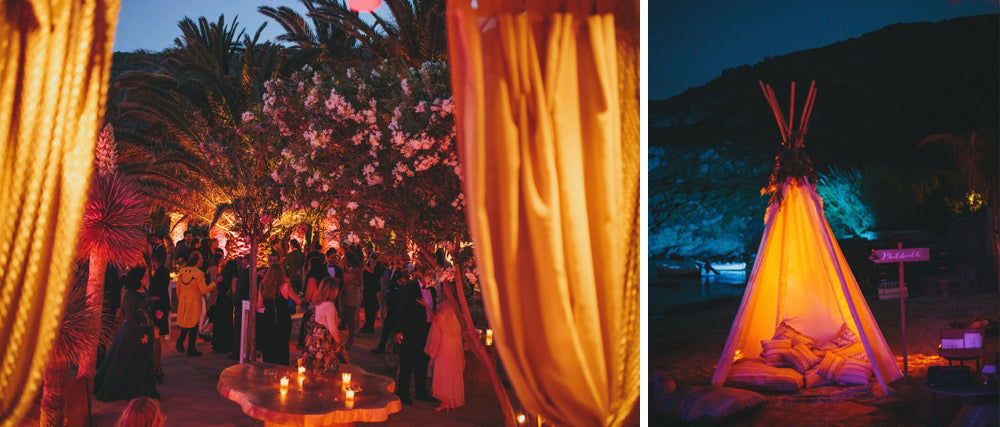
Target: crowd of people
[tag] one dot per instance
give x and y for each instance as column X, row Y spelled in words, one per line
column 341, row 291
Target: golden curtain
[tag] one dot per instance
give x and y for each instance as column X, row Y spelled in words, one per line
column 55, row 60
column 547, row 118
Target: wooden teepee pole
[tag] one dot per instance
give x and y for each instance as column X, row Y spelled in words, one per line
column 807, row 111
column 773, row 102
column 791, row 109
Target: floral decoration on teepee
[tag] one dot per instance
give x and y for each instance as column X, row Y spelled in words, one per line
column 791, row 162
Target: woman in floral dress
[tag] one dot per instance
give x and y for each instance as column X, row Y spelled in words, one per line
column 324, row 348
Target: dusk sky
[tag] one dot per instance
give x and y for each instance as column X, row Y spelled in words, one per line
column 691, row 42
column 152, row 25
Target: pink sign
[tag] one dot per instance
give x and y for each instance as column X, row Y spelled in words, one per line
column 884, row 256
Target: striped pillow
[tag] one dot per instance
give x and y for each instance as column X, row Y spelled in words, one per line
column 814, row 379
column 755, row 375
column 844, row 371
column 854, row 351
column 784, row 331
column 800, row 358
column 845, row 337
column 772, row 351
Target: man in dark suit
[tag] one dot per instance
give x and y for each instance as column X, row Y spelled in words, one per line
column 293, row 265
column 413, row 323
column 241, row 293
column 393, row 280
column 184, row 247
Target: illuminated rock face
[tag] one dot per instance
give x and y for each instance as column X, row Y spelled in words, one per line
column 705, row 203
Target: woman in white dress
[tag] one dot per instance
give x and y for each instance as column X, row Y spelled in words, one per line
column 444, row 346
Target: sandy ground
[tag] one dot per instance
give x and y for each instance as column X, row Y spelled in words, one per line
column 686, row 343
column 188, row 395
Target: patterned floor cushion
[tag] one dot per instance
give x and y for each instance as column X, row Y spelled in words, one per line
column 713, row 404
column 755, row 375
column 708, row 405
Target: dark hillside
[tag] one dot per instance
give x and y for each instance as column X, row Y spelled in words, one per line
column 878, row 96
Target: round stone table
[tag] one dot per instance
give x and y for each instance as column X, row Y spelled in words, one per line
column 256, row 388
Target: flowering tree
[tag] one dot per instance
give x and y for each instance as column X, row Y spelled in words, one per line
column 370, row 148
column 377, row 150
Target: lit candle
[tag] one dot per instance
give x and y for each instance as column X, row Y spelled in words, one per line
column 302, row 370
column 349, row 398
column 284, row 384
column 489, row 337
column 345, row 378
column 521, row 418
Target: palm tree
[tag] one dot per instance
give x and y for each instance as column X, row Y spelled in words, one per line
column 973, row 179
column 189, row 152
column 113, row 231
column 414, row 33
column 323, row 42
column 75, row 336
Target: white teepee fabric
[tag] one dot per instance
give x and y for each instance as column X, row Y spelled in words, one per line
column 801, row 277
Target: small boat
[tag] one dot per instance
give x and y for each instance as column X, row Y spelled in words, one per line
column 668, row 269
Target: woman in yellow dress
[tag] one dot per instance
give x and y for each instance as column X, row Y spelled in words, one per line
column 190, row 288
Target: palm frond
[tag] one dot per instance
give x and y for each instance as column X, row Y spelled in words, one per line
column 114, row 221
column 76, row 327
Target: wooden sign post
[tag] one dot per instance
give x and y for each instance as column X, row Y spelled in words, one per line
column 900, row 255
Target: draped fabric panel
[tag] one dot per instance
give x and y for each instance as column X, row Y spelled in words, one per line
column 55, row 61
column 547, row 119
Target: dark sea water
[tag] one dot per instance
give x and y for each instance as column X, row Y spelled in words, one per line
column 666, row 293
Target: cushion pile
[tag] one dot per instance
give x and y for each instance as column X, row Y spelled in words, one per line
column 791, row 360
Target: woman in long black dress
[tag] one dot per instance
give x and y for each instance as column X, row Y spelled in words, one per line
column 222, row 321
column 127, row 370
column 159, row 299
column 275, row 318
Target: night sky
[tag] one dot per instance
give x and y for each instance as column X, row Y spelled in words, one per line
column 152, row 25
column 691, row 42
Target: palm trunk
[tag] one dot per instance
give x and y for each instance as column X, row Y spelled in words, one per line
column 250, row 336
column 479, row 349
column 54, row 392
column 95, row 298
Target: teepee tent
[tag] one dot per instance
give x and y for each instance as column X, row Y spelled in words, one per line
column 800, row 275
